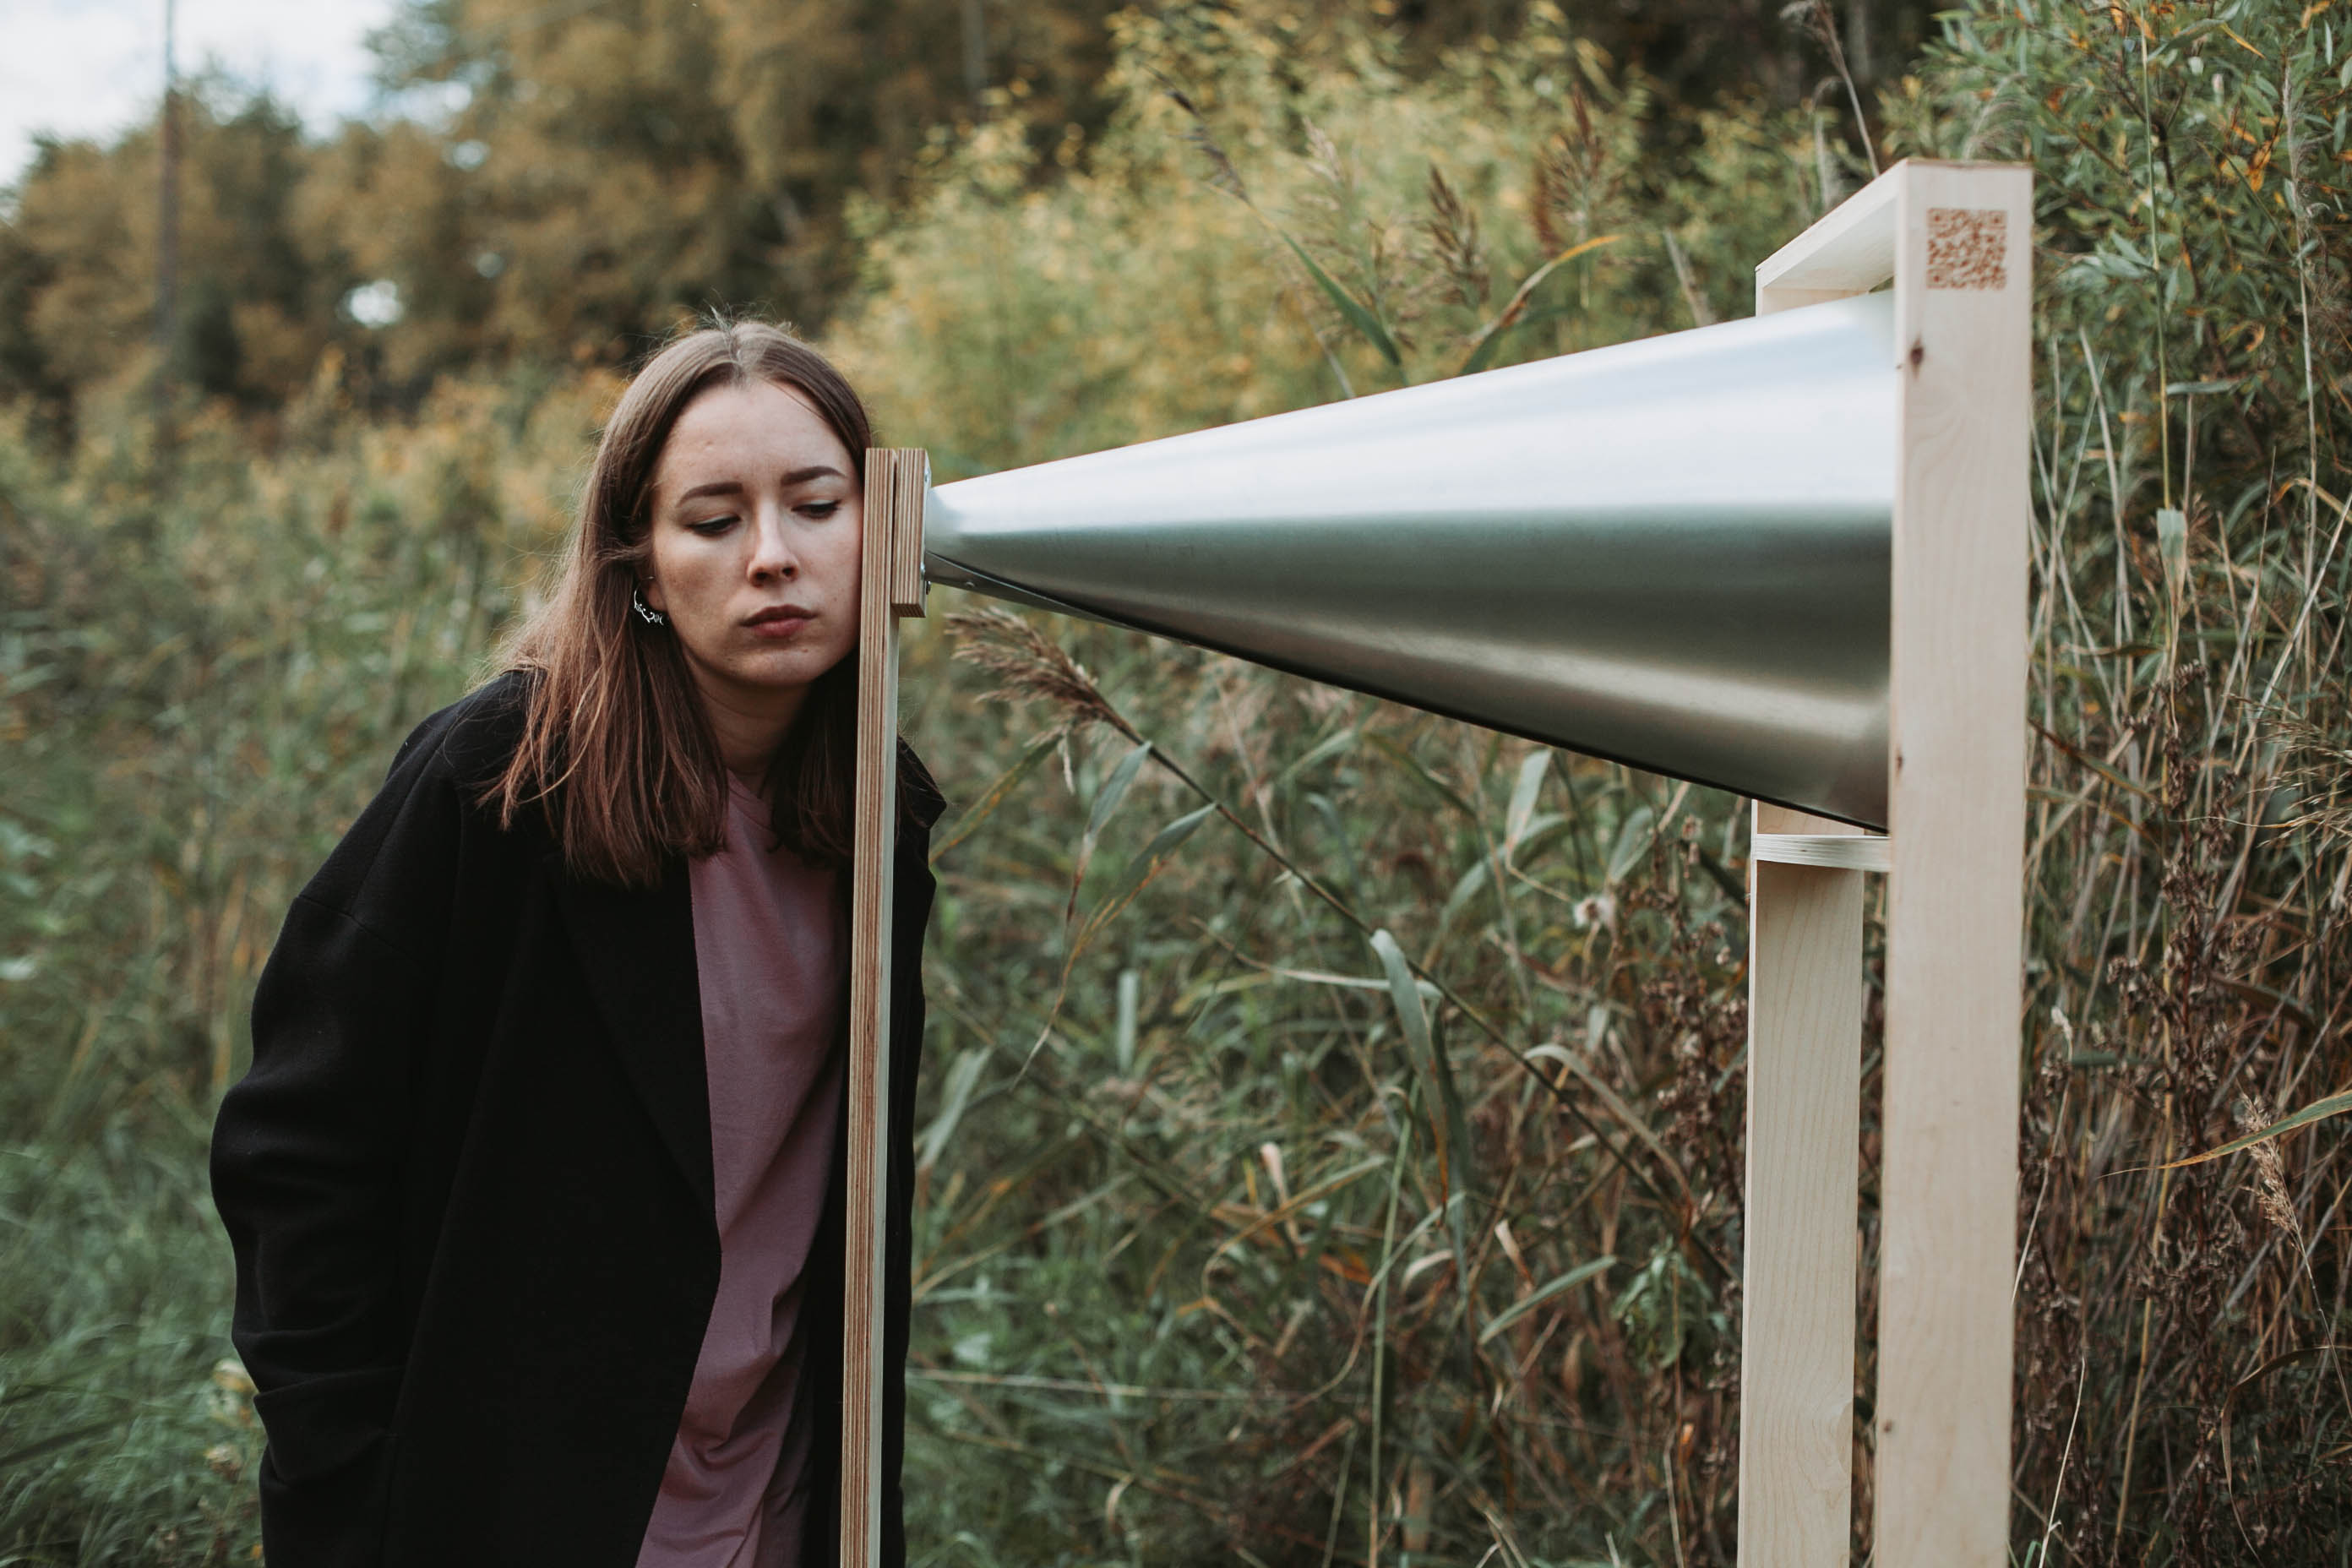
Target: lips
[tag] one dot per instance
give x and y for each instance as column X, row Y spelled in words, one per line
column 779, row 620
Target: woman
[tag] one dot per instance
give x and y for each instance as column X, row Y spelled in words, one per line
column 535, row 1184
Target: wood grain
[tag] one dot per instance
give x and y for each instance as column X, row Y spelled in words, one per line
column 1955, row 903
column 1804, row 1125
column 1804, row 1077
column 1846, row 851
column 1850, row 250
column 913, row 470
column 889, row 498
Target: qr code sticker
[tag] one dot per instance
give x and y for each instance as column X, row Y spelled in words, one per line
column 1965, row 247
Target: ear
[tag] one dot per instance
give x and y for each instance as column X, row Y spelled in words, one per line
column 650, row 590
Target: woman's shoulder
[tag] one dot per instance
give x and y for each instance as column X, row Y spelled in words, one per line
column 920, row 799
column 470, row 742
column 391, row 871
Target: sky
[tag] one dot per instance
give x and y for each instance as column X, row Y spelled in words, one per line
column 92, row 67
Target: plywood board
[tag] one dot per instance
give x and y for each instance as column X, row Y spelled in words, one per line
column 892, row 513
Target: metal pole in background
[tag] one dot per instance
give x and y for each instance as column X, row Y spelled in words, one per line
column 975, row 58
column 167, row 245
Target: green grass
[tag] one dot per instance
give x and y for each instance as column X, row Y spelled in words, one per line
column 125, row 1432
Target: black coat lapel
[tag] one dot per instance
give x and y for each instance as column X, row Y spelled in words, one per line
column 637, row 949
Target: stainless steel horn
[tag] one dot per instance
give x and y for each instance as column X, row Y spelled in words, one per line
column 1671, row 552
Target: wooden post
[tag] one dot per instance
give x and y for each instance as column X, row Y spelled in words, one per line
column 1804, row 1128
column 890, row 586
column 1804, row 1138
column 1954, row 239
column 1954, row 900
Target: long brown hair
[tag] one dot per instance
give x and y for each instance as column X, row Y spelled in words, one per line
column 616, row 747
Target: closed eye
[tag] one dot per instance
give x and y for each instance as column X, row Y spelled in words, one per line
column 819, row 508
column 712, row 527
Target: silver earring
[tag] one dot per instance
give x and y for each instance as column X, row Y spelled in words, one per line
column 651, row 616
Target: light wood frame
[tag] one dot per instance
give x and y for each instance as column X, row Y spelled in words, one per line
column 1955, row 240
column 890, row 587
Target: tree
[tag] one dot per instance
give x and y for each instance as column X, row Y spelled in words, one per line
column 77, row 258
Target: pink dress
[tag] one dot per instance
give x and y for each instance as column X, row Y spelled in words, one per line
column 773, row 959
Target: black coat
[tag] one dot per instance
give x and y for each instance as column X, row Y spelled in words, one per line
column 468, row 1184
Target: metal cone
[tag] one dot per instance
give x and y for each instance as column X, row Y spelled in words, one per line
column 1671, row 552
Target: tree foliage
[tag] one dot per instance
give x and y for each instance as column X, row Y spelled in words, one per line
column 558, row 184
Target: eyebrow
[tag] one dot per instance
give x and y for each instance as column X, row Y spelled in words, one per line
column 735, row 486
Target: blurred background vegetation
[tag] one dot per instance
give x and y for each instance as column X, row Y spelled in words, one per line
column 1332, row 1119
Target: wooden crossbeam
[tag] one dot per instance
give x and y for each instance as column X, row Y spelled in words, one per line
column 1847, row 851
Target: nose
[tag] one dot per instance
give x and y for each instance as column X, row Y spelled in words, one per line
column 772, row 559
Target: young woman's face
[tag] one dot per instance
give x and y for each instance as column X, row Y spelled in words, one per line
column 755, row 530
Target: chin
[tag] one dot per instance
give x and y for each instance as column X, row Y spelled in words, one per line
column 783, row 669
